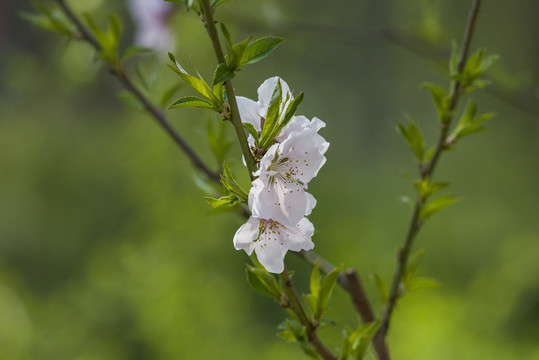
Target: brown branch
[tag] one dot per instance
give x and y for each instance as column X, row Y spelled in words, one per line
column 155, row 112
column 415, row 221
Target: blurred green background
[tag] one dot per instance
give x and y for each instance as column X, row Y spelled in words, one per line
column 107, row 250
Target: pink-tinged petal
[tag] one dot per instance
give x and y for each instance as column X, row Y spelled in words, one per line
column 311, row 203
column 299, row 236
column 244, row 239
column 271, row 254
column 296, row 124
column 281, row 201
column 248, row 112
column 305, row 159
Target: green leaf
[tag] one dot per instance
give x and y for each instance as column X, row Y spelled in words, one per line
column 232, row 185
column 326, row 288
column 441, row 100
column 262, row 282
column 411, row 267
column 234, row 58
column 422, row 283
column 425, row 188
column 382, row 288
column 228, row 39
column 259, row 49
column 438, row 204
column 287, row 335
column 222, row 73
column 413, row 137
column 134, row 50
column 251, row 129
column 315, row 280
column 357, row 342
column 216, row 3
column 272, row 116
column 191, row 102
column 198, row 84
column 226, row 201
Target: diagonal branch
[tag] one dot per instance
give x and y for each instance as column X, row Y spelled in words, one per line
column 415, row 222
column 155, row 112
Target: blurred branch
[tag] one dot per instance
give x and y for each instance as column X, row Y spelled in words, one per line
column 295, row 305
column 426, row 172
column 156, row 113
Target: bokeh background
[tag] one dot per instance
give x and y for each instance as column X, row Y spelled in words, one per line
column 107, row 250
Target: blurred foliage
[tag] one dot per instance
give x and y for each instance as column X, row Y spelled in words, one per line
column 107, row 250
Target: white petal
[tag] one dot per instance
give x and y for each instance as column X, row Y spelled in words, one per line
column 281, row 201
column 296, row 124
column 305, row 153
column 300, row 235
column 246, row 235
column 311, row 203
column 271, row 255
column 248, row 112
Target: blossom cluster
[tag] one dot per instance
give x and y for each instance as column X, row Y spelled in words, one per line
column 278, row 199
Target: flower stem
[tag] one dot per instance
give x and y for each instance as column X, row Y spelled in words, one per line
column 427, row 171
column 295, row 305
column 209, row 23
column 155, row 112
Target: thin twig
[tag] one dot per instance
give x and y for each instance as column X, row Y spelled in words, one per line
column 155, row 112
column 415, row 222
column 295, row 305
column 209, row 22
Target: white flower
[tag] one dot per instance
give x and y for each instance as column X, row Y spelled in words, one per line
column 271, row 240
column 255, row 113
column 151, row 22
column 285, row 170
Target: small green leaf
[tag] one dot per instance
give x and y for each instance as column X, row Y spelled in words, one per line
column 228, row 39
column 272, row 116
column 437, row 205
column 216, row 3
column 413, row 137
column 287, row 335
column 315, row 281
column 234, row 58
column 259, row 49
column 191, row 102
column 422, row 283
column 230, row 183
column 222, row 73
column 134, row 50
column 439, row 95
column 326, row 288
column 262, row 282
column 382, row 288
column 251, row 129
column 226, row 201
column 198, row 84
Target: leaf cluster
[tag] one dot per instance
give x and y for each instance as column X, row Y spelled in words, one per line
column 280, row 112
column 234, row 193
